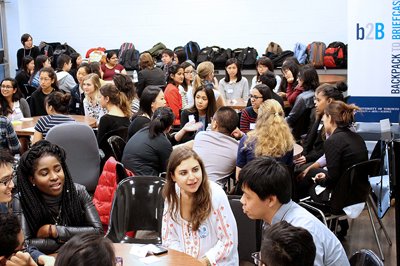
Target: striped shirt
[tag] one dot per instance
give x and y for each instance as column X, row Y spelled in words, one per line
column 247, row 118
column 8, row 137
column 45, row 123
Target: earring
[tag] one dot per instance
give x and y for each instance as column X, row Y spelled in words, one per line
column 33, row 185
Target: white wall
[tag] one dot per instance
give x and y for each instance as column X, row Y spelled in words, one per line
column 226, row 23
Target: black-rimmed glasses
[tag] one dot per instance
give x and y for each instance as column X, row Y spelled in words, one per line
column 6, row 180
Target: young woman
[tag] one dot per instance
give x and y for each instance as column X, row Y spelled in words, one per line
column 186, row 88
column 50, row 206
column 65, row 81
column 263, row 65
column 28, row 49
column 290, row 70
column 202, row 111
column 270, row 137
column 118, row 112
column 125, row 84
column 147, row 152
column 198, row 219
column 233, row 86
column 77, row 93
column 57, row 109
column 76, row 60
column 40, row 62
column 91, row 103
column 48, row 84
column 205, row 76
column 172, row 96
column 12, row 105
column 111, row 67
column 24, row 75
column 152, row 98
column 148, row 74
column 258, row 95
column 299, row 117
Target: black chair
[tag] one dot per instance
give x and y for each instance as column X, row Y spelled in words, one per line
column 365, row 257
column 137, row 205
column 27, row 90
column 365, row 169
column 117, row 145
column 249, row 231
column 104, row 145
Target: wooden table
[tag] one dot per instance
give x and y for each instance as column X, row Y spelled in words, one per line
column 332, row 79
column 172, row 258
column 26, row 127
column 237, row 104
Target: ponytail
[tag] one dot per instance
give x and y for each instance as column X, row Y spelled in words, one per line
column 162, row 119
column 116, row 98
column 341, row 113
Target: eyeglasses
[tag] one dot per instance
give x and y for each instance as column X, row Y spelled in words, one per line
column 6, row 180
column 44, row 79
column 256, row 257
column 6, row 87
column 255, row 97
column 114, row 58
column 190, row 72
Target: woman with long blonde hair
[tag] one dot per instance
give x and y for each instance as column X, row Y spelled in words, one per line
column 271, row 137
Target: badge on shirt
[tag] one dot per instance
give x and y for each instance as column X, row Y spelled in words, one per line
column 203, row 231
column 229, row 91
column 252, row 126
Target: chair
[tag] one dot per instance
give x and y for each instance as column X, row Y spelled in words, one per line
column 137, row 205
column 365, row 257
column 117, row 145
column 104, row 145
column 249, row 231
column 369, row 168
column 80, row 144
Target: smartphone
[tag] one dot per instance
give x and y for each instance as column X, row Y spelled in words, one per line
column 158, row 250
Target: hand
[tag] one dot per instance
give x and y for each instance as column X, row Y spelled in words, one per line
column 21, row 259
column 282, row 94
column 237, row 133
column 43, row 231
column 301, row 160
column 204, row 261
column 46, row 260
column 192, row 126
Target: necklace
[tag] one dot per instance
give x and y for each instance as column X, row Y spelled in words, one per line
column 57, row 219
column 30, row 50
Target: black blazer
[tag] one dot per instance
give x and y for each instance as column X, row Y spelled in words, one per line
column 147, row 77
column 49, row 245
column 343, row 149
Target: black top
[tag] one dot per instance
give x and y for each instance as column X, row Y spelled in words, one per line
column 109, row 123
column 34, row 52
column 137, row 124
column 76, row 103
column 145, row 156
column 147, row 77
column 36, row 103
column 313, row 146
column 22, row 78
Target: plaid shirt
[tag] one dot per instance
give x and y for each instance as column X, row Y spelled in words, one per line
column 8, row 137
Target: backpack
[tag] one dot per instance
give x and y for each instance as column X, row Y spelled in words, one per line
column 61, row 49
column 247, row 58
column 315, row 54
column 130, row 58
column 273, row 49
column 221, row 56
column 192, row 50
column 206, row 54
column 156, row 50
column 125, row 46
column 335, row 55
column 47, row 49
column 300, row 52
column 278, row 59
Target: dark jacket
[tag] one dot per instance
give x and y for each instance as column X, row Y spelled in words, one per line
column 49, row 245
column 76, row 103
column 148, row 77
column 343, row 149
column 314, row 142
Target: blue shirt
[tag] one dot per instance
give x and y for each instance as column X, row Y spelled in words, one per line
column 329, row 251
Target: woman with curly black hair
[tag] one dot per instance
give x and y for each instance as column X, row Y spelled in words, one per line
column 52, row 209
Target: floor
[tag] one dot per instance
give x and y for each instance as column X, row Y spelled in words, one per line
column 360, row 235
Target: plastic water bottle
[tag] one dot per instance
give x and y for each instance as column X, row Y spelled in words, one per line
column 135, row 76
column 208, row 127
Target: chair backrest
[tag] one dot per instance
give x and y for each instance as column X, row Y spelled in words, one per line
column 365, row 257
column 138, row 205
column 249, row 231
column 104, row 145
column 117, row 145
column 80, row 145
column 354, row 183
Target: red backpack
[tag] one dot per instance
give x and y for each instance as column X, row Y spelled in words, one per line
column 336, row 55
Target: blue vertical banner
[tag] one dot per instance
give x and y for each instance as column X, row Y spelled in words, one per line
column 374, row 58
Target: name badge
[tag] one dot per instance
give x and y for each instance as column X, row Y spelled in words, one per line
column 229, row 90
column 77, row 105
column 252, row 126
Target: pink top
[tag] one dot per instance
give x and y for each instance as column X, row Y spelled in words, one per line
column 108, row 74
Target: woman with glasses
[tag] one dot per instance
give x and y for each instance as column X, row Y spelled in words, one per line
column 258, row 95
column 271, row 137
column 263, row 65
column 12, row 104
column 51, row 208
column 111, row 67
column 186, row 88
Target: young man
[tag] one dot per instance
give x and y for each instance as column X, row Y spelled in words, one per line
column 167, row 57
column 221, row 162
column 267, row 189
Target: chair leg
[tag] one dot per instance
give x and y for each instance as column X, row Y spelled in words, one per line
column 379, row 220
column 374, row 229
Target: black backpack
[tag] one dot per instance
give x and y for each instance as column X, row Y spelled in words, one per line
column 180, row 53
column 206, row 54
column 221, row 55
column 278, row 59
column 61, row 49
column 247, row 57
column 192, row 50
column 130, row 59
